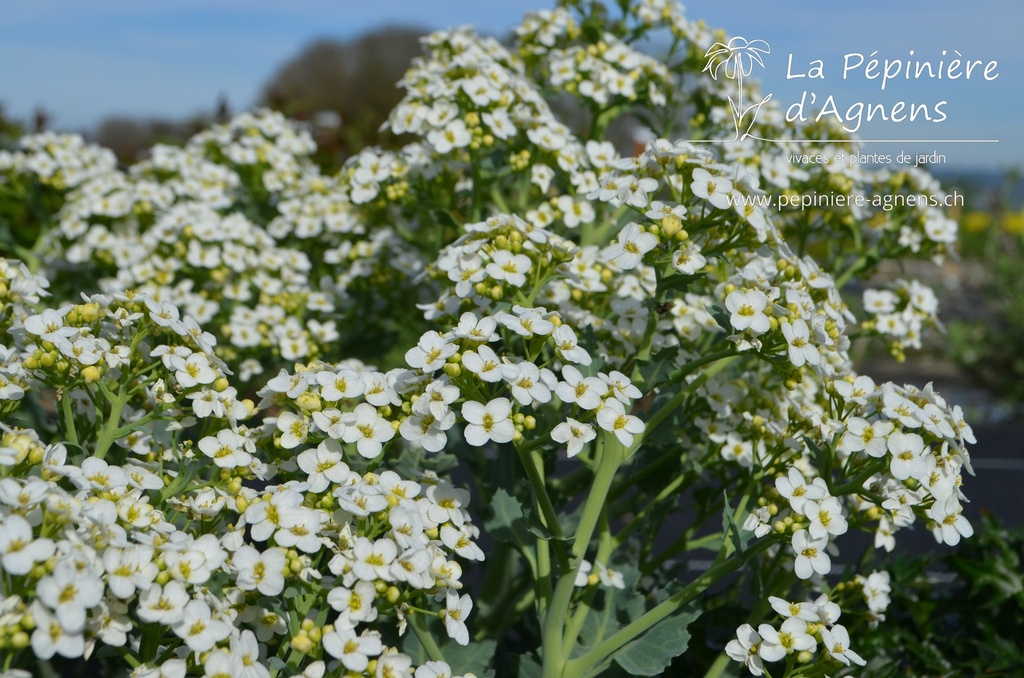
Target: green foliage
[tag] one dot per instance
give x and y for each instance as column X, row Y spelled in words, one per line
column 957, row 615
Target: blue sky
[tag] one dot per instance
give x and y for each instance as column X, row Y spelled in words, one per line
column 83, row 61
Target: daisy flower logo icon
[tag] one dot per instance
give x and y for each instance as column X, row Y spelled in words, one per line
column 736, row 59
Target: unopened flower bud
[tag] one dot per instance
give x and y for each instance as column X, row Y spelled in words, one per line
column 302, row 643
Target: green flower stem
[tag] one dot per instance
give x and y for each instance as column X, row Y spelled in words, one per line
column 605, row 547
column 533, row 462
column 609, row 457
column 69, row 418
column 426, row 640
column 857, row 482
column 613, row 643
column 719, row 666
column 859, row 264
column 108, row 434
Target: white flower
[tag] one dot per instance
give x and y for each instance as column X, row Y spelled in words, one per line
column 907, row 451
column 260, row 571
column 129, row 570
column 826, row 518
column 828, row 612
column 950, row 523
column 221, row 663
column 806, row 611
column 620, row 386
column 527, row 382
column 566, row 346
column 198, row 628
column 609, row 577
column 430, row 353
column 323, row 466
column 70, row 593
column 583, row 391
column 458, row 540
column 454, row 135
column 19, row 549
column 574, row 435
column 353, row 651
column 876, row 589
column 715, row 190
column 792, row 636
column 745, row 647
column 355, row 604
column 446, row 504
column 484, row 363
column 747, row 309
column 837, row 643
column 435, row 669
column 688, row 259
column 294, row 429
column 798, row 337
column 759, row 522
column 372, row 559
column 489, row 422
column 226, row 449
column 367, row 429
column 864, row 436
column 612, row 417
column 857, row 391
column 630, row 247
column 339, row 385
column 457, row 610
column 193, row 370
column 509, row 267
column 51, row 637
column 300, row 527
column 164, row 605
column 810, row 555
column 794, row 488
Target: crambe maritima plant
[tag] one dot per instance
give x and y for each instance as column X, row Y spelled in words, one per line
column 498, row 401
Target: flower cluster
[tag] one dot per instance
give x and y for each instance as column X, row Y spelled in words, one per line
column 900, row 315
column 231, row 403
column 166, row 531
column 805, row 626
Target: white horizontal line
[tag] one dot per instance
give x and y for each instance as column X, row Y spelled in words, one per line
column 849, row 140
column 885, row 141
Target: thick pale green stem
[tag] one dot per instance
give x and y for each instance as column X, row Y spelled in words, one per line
column 426, row 640
column 609, row 457
column 616, row 641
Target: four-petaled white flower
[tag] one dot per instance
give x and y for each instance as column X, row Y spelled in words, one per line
column 744, row 648
column 19, row 549
column 574, row 435
column 612, row 417
column 794, row 488
column 836, row 642
column 630, row 246
column 747, row 309
column 457, row 609
column 367, row 429
column 430, row 353
column 509, row 267
column 801, row 350
column 490, row 422
column 810, row 555
column 716, row 190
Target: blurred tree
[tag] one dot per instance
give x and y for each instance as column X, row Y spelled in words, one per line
column 130, row 138
column 354, row 80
